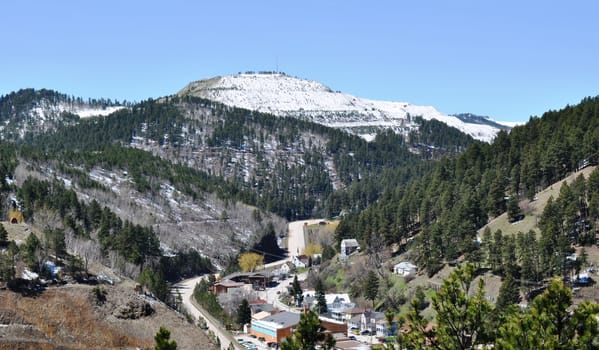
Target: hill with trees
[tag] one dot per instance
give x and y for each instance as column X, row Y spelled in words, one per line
column 169, row 188
column 444, row 208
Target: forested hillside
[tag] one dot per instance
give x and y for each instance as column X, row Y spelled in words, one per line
column 447, row 205
column 167, row 175
column 33, row 112
column 283, row 165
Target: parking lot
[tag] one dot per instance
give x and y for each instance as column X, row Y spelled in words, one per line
column 251, row 343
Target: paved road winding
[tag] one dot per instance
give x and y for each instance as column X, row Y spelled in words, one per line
column 295, row 245
column 186, row 289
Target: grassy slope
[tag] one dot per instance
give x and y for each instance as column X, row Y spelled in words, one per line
column 19, row 232
column 533, row 210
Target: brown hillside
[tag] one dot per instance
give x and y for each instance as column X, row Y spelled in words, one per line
column 69, row 318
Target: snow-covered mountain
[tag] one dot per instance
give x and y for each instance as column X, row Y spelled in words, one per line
column 287, row 96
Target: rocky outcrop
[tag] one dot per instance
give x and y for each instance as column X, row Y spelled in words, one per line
column 133, row 310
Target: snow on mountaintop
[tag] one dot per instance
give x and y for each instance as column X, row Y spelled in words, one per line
column 283, row 95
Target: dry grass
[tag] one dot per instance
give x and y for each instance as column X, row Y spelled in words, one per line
column 533, row 210
column 68, row 318
column 322, row 234
column 19, row 232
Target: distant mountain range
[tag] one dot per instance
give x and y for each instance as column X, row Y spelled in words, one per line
column 287, row 96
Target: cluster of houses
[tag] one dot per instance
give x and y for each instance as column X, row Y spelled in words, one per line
column 343, row 318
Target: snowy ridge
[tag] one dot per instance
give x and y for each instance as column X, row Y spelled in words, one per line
column 283, row 95
column 44, row 115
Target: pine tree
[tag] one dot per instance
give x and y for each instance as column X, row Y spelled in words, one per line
column 3, row 236
column 513, row 209
column 308, row 333
column 32, row 252
column 163, row 341
column 371, row 288
column 297, row 292
column 321, row 306
column 464, row 317
column 509, row 293
column 244, row 313
column 551, row 323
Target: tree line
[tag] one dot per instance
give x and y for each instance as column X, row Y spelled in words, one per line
column 449, row 203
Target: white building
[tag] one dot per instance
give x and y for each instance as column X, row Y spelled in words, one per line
column 405, row 268
column 349, row 246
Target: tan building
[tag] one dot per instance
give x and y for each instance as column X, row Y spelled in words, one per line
column 225, row 285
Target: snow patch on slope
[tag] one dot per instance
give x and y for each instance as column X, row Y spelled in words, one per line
column 283, row 95
column 87, row 112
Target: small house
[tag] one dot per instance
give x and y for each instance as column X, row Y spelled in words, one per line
column 225, row 286
column 369, row 320
column 349, row 246
column 405, row 268
column 300, row 261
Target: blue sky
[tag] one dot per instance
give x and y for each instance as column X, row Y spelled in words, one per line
column 505, row 59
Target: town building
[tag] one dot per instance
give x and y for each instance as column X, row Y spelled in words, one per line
column 225, row 286
column 276, row 327
column 300, row 261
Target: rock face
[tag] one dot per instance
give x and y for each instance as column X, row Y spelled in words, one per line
column 133, row 310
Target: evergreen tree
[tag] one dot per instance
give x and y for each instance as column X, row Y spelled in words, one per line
column 32, row 252
column 297, row 292
column 155, row 282
column 551, row 324
column 371, row 287
column 308, row 333
column 513, row 209
column 244, row 313
column 3, row 236
column 321, row 306
column 8, row 261
column 495, row 249
column 463, row 317
column 509, row 293
column 163, row 341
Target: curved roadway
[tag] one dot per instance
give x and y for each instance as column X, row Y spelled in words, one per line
column 186, row 289
column 295, row 245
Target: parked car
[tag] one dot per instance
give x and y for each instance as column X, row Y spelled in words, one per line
column 365, row 332
column 352, row 337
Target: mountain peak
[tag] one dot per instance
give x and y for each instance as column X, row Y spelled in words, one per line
column 287, row 96
column 263, row 82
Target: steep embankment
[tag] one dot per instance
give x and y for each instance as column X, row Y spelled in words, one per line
column 73, row 317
